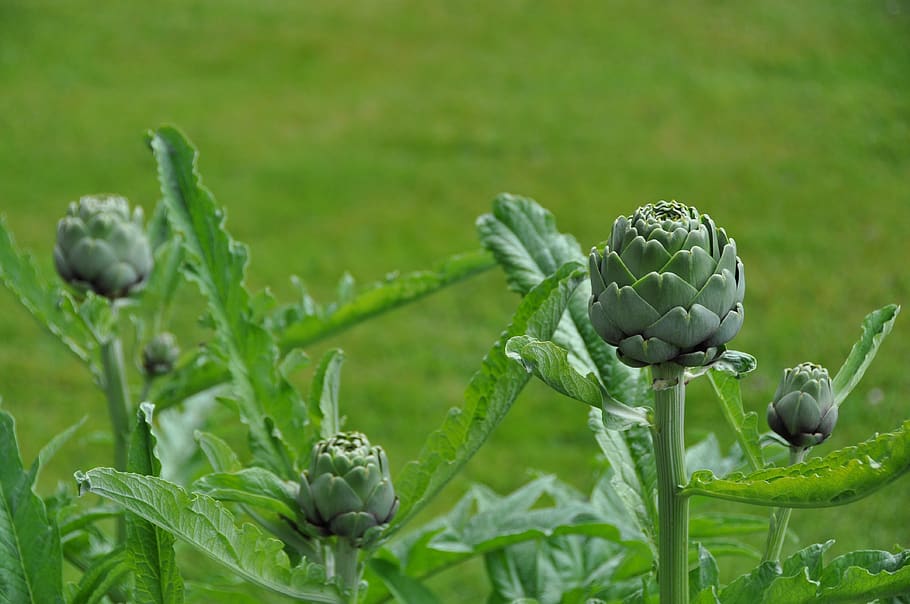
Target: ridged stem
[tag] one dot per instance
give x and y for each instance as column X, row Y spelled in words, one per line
column 780, row 517
column 673, row 509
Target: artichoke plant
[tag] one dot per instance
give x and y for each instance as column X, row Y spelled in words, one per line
column 160, row 354
column 102, row 247
column 803, row 410
column 668, row 287
column 347, row 490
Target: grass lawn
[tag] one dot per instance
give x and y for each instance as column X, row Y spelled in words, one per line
column 368, row 137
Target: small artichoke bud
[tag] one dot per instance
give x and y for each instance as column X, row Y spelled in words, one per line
column 347, row 490
column 160, row 354
column 803, row 410
column 668, row 287
column 102, row 247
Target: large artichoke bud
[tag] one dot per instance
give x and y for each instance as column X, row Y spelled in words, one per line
column 101, row 247
column 160, row 354
column 347, row 490
column 668, row 288
column 803, row 410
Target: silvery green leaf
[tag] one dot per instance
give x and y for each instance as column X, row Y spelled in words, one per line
column 210, row 527
column 31, row 558
column 744, row 425
column 256, row 487
column 150, row 549
column 488, row 398
column 705, row 574
column 305, row 323
column 46, row 300
column 523, row 237
column 876, row 326
column 265, row 400
column 403, row 588
column 553, row 365
column 838, row 478
column 324, row 394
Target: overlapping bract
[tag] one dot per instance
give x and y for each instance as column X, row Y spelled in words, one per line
column 803, row 410
column 347, row 490
column 668, row 287
column 101, row 247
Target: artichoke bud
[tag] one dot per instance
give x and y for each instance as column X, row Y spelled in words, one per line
column 803, row 410
column 102, row 247
column 160, row 354
column 347, row 490
column 668, row 287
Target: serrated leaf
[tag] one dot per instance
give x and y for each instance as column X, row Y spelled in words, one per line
column 270, row 513
column 101, row 577
column 744, row 425
column 405, row 589
column 876, row 326
column 51, row 448
column 866, row 575
column 707, row 596
column 503, row 521
column 150, row 549
column 207, row 525
column 316, row 324
column 732, row 362
column 31, row 558
column 218, row 452
column 265, row 400
column 163, row 282
column 488, row 398
column 256, row 487
column 705, row 574
column 750, row 587
column 706, row 455
column 725, row 547
column 794, row 589
column 46, row 300
column 201, row 373
column 523, row 237
column 840, row 477
column 551, row 364
column 324, row 393
column 72, row 518
column 634, row 473
column 716, row 524
column 205, row 593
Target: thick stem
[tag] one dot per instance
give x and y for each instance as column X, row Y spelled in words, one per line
column 119, row 408
column 780, row 518
column 346, row 566
column 673, row 509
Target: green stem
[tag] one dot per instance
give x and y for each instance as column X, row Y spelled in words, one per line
column 119, row 408
column 673, row 509
column 780, row 518
column 346, row 566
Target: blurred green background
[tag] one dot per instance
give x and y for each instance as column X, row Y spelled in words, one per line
column 369, row 136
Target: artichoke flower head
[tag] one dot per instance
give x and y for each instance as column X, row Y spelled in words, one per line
column 160, row 354
column 102, row 247
column 668, row 287
column 347, row 489
column 803, row 410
